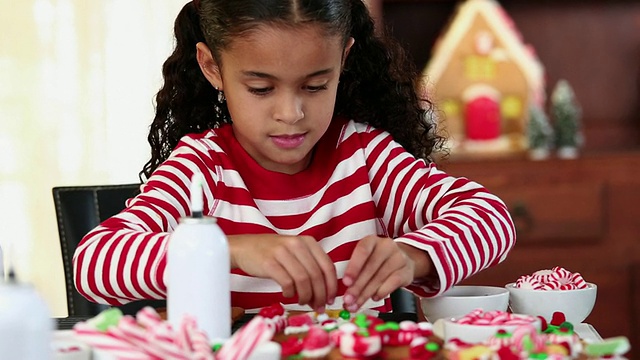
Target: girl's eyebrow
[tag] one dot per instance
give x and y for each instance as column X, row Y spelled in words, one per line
column 271, row 77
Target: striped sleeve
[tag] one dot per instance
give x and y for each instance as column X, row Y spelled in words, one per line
column 462, row 226
column 124, row 258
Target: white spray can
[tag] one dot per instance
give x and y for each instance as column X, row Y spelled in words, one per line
column 26, row 326
column 199, row 271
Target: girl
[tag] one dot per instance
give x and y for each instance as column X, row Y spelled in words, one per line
column 314, row 143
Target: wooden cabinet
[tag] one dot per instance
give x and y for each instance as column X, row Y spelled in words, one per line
column 583, row 215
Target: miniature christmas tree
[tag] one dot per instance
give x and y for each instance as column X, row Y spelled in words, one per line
column 539, row 133
column 566, row 114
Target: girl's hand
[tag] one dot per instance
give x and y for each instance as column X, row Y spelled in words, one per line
column 297, row 263
column 378, row 266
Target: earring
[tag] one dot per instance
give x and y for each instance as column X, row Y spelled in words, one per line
column 217, row 107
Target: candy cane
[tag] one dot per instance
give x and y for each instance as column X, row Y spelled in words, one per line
column 148, row 317
column 245, row 340
column 162, row 336
column 198, row 343
column 499, row 340
column 521, row 333
column 104, row 341
column 129, row 330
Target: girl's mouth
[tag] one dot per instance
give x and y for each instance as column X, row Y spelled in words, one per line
column 288, row 141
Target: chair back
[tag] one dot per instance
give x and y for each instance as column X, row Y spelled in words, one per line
column 79, row 209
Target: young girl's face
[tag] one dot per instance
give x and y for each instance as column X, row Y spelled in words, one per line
column 280, row 84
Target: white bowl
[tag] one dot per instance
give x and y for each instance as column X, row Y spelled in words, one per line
column 479, row 333
column 462, row 299
column 575, row 304
column 66, row 347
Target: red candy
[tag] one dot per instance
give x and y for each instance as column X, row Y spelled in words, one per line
column 272, row 311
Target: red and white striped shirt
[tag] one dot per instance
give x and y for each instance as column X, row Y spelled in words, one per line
column 360, row 182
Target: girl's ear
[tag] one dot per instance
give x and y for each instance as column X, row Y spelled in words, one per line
column 208, row 65
column 347, row 48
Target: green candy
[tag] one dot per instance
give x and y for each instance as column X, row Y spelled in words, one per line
column 216, row 347
column 538, row 356
column 345, row 315
column 567, row 325
column 432, row 347
column 106, row 319
column 361, row 321
column 391, row 325
column 527, row 343
column 613, row 346
column 551, row 329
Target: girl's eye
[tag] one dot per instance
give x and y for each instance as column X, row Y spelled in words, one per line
column 260, row 91
column 317, row 88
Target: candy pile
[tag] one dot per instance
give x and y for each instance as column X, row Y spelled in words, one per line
column 357, row 336
column 339, row 335
column 556, row 278
column 556, row 340
column 479, row 317
column 146, row 336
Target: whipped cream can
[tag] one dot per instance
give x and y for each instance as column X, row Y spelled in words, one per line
column 26, row 326
column 199, row 277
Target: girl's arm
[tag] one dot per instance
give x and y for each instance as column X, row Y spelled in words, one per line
column 458, row 226
column 124, row 258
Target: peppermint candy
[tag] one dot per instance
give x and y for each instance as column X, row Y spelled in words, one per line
column 496, row 317
column 557, row 278
column 529, row 282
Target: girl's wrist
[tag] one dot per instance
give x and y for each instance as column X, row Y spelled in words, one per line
column 421, row 261
column 233, row 250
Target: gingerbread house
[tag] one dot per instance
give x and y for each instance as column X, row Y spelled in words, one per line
column 483, row 78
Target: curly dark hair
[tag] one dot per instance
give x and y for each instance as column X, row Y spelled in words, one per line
column 379, row 84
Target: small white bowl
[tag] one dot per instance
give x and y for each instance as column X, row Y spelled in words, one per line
column 65, row 347
column 575, row 304
column 462, row 299
column 479, row 333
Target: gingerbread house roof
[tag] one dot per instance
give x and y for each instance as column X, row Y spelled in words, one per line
column 503, row 28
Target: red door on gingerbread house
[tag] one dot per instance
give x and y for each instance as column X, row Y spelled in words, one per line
column 482, row 115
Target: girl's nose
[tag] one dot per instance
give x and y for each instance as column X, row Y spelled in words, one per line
column 289, row 109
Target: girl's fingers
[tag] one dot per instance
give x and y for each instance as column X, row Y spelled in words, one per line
column 382, row 285
column 328, row 270
column 373, row 264
column 314, row 276
column 280, row 275
column 395, row 271
column 297, row 274
column 358, row 260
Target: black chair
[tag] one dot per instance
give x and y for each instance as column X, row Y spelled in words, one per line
column 78, row 210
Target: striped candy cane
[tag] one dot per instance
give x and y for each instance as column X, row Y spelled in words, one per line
column 245, row 340
column 108, row 342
